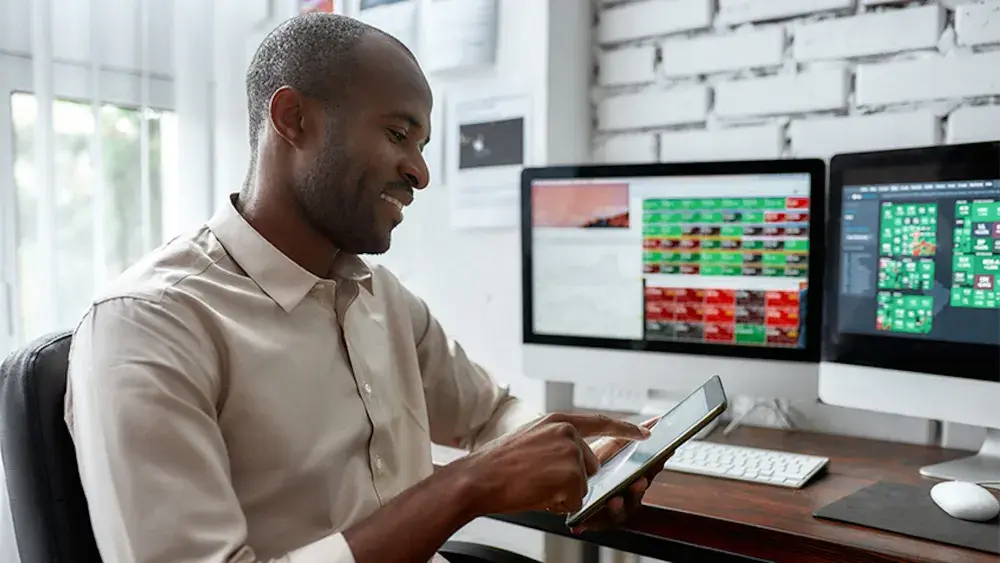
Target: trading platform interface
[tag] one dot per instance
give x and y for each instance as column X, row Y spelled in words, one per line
column 716, row 259
column 921, row 260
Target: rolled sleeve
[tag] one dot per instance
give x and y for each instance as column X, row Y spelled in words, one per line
column 143, row 385
column 466, row 406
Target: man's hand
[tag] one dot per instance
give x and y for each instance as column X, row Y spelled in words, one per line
column 619, row 509
column 543, row 466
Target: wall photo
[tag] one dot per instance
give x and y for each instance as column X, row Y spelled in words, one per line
column 492, row 143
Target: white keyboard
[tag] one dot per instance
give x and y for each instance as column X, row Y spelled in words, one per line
column 746, row 464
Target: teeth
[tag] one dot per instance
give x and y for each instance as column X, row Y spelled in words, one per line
column 394, row 201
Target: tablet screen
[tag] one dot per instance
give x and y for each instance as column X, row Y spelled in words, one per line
column 670, row 428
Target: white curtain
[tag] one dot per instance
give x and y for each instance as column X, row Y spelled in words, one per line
column 106, row 151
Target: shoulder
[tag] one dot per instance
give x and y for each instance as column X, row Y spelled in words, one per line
column 155, row 306
column 169, row 270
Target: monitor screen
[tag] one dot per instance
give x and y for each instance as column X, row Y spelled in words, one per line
column 922, row 260
column 716, row 263
column 914, row 262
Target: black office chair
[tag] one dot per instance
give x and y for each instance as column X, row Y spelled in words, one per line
column 49, row 508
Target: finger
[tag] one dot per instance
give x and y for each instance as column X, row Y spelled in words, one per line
column 600, row 425
column 639, row 487
column 606, row 448
column 590, row 461
column 654, row 472
column 650, row 423
column 616, row 510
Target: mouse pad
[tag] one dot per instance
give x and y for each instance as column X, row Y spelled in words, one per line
column 909, row 510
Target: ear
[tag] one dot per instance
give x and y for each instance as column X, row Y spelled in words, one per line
column 288, row 116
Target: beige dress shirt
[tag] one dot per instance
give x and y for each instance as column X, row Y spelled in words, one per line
column 228, row 406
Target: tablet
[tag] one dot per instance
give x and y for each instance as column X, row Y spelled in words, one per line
column 674, row 428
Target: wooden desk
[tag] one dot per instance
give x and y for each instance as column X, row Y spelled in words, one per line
column 694, row 518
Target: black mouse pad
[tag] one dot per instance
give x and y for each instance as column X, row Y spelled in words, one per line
column 909, row 510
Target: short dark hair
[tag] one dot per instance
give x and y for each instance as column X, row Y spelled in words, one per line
column 310, row 53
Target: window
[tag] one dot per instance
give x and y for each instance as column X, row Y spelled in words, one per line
column 74, row 238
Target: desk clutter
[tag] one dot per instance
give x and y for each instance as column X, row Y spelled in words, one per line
column 909, row 510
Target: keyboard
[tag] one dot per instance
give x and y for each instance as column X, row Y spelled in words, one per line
column 740, row 463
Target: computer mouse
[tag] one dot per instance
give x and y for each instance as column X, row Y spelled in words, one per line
column 965, row 501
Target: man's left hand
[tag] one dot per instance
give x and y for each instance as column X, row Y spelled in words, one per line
column 619, row 509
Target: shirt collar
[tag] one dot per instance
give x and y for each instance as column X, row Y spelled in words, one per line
column 283, row 280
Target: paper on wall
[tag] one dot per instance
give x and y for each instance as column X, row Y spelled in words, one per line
column 488, row 144
column 395, row 17
column 458, row 34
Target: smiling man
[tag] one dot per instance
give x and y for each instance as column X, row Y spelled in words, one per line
column 254, row 391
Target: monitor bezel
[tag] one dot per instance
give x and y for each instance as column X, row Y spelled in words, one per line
column 935, row 357
column 815, row 168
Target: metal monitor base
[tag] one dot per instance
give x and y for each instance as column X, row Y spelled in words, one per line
column 982, row 468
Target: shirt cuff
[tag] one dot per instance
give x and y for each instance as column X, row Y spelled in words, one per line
column 331, row 549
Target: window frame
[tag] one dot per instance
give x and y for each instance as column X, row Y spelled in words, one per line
column 71, row 81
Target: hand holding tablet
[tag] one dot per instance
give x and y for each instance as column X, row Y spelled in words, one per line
column 637, row 459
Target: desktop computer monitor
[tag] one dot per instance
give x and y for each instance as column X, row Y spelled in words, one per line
column 912, row 300
column 659, row 276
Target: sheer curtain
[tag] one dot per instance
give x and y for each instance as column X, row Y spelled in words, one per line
column 106, row 144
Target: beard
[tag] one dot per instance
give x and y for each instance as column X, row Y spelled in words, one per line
column 339, row 200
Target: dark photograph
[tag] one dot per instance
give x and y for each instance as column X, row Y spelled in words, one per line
column 494, row 143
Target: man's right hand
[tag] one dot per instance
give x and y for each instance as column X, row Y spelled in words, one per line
column 543, row 466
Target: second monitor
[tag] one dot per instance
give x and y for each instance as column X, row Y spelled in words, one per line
column 661, row 275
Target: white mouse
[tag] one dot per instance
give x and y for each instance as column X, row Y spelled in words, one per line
column 965, row 501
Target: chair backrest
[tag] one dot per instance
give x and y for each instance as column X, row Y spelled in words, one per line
column 49, row 508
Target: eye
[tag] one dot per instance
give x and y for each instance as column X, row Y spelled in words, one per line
column 398, row 136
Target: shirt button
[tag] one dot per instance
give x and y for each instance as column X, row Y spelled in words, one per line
column 378, row 464
column 368, row 388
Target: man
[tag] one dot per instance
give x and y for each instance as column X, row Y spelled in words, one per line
column 255, row 392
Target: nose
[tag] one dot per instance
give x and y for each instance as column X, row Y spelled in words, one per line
column 414, row 171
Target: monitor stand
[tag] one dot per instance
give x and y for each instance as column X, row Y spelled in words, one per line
column 982, row 468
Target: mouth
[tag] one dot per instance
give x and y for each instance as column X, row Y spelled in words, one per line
column 393, row 201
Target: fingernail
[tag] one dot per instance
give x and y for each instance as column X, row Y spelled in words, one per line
column 644, row 431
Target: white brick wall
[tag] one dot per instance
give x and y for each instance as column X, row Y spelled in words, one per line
column 752, row 142
column 783, row 94
column 633, row 65
column 652, row 18
column 870, row 34
column 828, row 136
column 788, row 78
column 628, row 148
column 718, row 53
column 973, row 124
column 678, row 106
column 978, row 24
column 794, row 77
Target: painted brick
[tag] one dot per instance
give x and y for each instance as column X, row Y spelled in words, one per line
column 978, row 24
column 974, row 124
column 785, row 94
column 627, row 66
column 937, row 78
column 737, row 143
column 826, row 137
column 653, row 18
column 678, row 106
column 744, row 11
column 633, row 147
column 720, row 53
column 874, row 34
